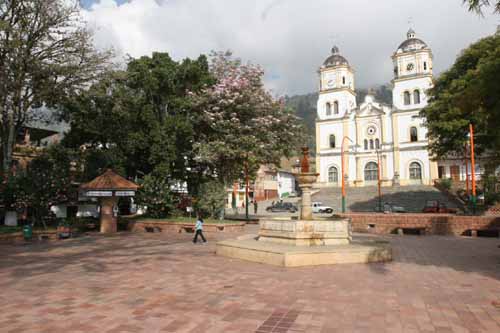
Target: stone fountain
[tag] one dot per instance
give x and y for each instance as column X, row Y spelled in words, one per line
column 305, row 241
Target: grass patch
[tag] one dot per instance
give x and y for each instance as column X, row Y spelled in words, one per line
column 5, row 229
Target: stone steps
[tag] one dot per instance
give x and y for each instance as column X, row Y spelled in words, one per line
column 365, row 199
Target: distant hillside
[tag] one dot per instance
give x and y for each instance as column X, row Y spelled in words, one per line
column 305, row 106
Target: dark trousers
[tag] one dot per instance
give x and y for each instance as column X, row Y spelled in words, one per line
column 199, row 232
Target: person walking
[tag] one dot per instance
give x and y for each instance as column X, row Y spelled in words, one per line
column 199, row 231
column 255, row 207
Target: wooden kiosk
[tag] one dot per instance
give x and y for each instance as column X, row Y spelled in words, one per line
column 108, row 188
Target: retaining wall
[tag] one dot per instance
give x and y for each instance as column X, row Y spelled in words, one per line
column 435, row 224
column 170, row 226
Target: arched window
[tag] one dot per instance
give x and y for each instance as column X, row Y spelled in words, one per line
column 343, row 79
column 416, row 97
column 415, row 170
column 371, row 143
column 377, row 143
column 425, row 65
column 366, row 144
column 332, row 141
column 335, row 107
column 413, row 134
column 333, row 175
column 407, row 98
column 328, row 109
column 371, row 171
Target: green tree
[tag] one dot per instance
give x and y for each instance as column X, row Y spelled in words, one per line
column 156, row 196
column 47, row 181
column 467, row 93
column 46, row 55
column 142, row 116
column 478, row 5
column 211, row 199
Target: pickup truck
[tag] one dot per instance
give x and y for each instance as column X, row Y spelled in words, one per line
column 318, row 207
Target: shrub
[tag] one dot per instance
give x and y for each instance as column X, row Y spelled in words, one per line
column 155, row 194
column 446, row 183
column 211, row 199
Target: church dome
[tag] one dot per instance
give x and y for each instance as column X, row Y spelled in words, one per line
column 411, row 43
column 335, row 59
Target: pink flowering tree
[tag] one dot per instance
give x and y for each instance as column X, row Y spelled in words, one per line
column 240, row 124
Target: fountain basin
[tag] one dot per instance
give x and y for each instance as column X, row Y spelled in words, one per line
column 305, row 232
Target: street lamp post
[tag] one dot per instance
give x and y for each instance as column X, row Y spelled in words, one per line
column 343, row 172
column 379, row 180
column 473, row 168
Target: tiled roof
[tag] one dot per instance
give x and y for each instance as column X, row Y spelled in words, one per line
column 109, row 181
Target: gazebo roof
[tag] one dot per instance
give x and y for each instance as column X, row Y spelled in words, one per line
column 109, row 181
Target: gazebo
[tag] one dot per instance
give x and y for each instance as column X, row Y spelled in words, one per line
column 108, row 188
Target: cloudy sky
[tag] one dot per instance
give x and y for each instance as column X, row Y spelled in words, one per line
column 289, row 38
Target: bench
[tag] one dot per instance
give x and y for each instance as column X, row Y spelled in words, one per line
column 153, row 229
column 42, row 237
column 411, row 231
column 485, row 232
column 188, row 229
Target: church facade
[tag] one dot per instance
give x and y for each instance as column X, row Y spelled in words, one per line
column 378, row 140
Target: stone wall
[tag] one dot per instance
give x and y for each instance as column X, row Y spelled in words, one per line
column 171, row 226
column 435, row 224
column 17, row 237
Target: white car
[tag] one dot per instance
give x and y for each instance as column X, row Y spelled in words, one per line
column 317, row 207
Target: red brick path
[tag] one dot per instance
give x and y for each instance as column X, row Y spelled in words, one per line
column 164, row 283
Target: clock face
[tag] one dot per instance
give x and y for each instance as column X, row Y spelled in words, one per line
column 410, row 67
column 330, row 80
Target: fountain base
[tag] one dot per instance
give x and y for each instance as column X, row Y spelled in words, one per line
column 295, row 243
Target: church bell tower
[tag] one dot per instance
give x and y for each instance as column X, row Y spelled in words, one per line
column 412, row 73
column 336, row 92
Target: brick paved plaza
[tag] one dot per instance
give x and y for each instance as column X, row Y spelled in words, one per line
column 164, row 283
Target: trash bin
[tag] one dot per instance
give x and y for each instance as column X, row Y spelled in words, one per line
column 27, row 232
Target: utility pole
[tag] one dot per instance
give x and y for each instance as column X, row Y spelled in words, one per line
column 473, row 168
column 343, row 172
column 247, row 183
column 379, row 181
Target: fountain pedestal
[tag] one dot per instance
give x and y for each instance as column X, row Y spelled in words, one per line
column 305, row 241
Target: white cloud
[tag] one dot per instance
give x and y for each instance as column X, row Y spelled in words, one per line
column 289, row 38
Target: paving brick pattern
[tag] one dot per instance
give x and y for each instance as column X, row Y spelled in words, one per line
column 164, row 283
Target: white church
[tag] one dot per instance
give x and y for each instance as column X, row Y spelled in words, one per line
column 374, row 134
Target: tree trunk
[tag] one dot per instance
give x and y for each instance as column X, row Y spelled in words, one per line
column 8, row 141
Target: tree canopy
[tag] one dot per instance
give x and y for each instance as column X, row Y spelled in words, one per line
column 140, row 115
column 46, row 56
column 173, row 122
column 478, row 5
column 240, row 123
column 467, row 93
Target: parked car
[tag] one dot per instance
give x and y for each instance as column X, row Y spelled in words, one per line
column 437, row 207
column 388, row 207
column 282, row 207
column 318, row 207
